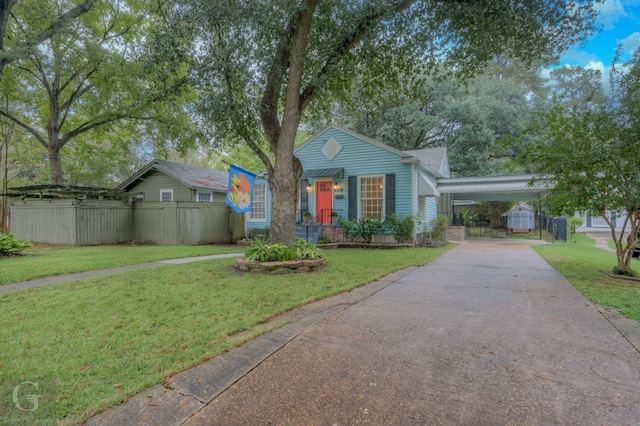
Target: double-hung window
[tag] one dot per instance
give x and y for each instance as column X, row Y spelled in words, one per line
column 259, row 204
column 372, row 197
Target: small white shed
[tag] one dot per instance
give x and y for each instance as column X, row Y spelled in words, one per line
column 521, row 218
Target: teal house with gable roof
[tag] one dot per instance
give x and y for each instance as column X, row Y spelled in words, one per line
column 353, row 176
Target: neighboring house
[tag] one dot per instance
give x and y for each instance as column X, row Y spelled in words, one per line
column 596, row 223
column 167, row 181
column 355, row 176
column 181, row 204
column 163, row 203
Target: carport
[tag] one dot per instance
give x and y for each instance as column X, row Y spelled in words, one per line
column 486, row 197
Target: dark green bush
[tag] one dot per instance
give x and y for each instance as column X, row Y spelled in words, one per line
column 11, row 246
column 627, row 272
column 367, row 227
column 400, row 226
column 348, row 228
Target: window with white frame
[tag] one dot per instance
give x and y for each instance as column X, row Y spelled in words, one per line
column 372, row 197
column 204, row 197
column 259, row 204
column 166, row 195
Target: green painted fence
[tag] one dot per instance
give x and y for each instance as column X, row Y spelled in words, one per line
column 94, row 222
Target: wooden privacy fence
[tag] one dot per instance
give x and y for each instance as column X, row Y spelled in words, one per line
column 94, row 222
column 185, row 223
column 72, row 221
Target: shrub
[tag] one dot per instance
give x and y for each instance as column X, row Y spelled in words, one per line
column 627, row 272
column 11, row 246
column 307, row 250
column 324, row 238
column 260, row 251
column 348, row 228
column 367, row 227
column 436, row 236
column 400, row 226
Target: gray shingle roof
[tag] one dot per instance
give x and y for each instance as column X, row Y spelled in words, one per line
column 192, row 176
column 430, row 158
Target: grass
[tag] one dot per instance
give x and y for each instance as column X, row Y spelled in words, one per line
column 91, row 343
column 581, row 262
column 42, row 262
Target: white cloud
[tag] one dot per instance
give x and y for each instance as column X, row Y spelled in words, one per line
column 610, row 12
column 605, row 71
column 631, row 43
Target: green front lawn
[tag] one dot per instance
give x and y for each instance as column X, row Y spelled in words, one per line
column 581, row 262
column 92, row 343
column 43, row 262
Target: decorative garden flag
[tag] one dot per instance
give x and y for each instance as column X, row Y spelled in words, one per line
column 240, row 189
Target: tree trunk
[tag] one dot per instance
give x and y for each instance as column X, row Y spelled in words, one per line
column 55, row 164
column 4, row 225
column 284, row 186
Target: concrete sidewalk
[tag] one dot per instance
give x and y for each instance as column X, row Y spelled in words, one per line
column 69, row 277
column 488, row 333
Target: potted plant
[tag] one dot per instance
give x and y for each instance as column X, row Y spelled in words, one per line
column 334, row 217
column 306, row 217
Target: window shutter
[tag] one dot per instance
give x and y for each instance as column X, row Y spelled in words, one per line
column 353, row 197
column 589, row 220
column 304, row 196
column 390, row 194
column 613, row 218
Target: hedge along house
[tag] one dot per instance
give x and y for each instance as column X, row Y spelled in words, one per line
column 163, row 203
column 354, row 176
column 179, row 204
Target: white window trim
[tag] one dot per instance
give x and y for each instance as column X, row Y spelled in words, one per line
column 170, row 191
column 264, row 219
column 384, row 194
column 209, row 193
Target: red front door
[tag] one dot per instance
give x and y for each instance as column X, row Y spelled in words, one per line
column 323, row 201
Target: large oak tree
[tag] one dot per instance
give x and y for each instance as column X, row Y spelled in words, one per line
column 261, row 65
column 94, row 82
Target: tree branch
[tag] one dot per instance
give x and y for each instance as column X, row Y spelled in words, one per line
column 22, row 49
column 344, row 47
column 25, row 126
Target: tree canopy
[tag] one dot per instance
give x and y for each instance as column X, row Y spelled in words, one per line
column 261, row 65
column 80, row 83
column 590, row 156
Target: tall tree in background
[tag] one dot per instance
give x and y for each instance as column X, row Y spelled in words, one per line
column 16, row 45
column 470, row 120
column 590, row 157
column 92, row 76
column 263, row 64
column 577, row 87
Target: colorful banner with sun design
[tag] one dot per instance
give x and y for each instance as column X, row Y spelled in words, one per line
column 240, row 189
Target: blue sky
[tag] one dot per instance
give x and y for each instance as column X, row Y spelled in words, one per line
column 619, row 21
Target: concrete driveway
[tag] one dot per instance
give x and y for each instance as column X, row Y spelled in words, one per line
column 487, row 334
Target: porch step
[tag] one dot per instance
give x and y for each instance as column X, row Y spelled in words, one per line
column 310, row 233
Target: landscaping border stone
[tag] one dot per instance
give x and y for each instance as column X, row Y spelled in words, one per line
column 289, row 266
